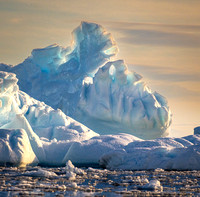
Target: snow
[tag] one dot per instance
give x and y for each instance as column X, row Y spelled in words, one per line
column 90, row 151
column 87, row 83
column 165, row 153
column 123, row 115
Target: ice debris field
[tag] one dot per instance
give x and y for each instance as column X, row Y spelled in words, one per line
column 80, row 103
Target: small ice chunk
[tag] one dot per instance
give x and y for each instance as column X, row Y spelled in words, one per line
column 152, row 185
column 70, row 175
column 72, row 171
column 40, row 173
column 159, row 170
column 73, row 185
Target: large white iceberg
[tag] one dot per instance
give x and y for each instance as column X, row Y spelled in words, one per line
column 83, row 82
column 86, row 85
column 33, row 133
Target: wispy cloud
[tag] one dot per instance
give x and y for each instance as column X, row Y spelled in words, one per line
column 158, row 34
column 161, row 38
column 165, row 73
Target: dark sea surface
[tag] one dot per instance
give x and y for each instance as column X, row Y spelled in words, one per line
column 40, row 181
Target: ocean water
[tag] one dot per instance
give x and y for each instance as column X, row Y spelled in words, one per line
column 39, row 181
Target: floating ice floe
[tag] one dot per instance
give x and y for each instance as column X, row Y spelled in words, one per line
column 152, row 185
column 89, row 85
column 40, row 173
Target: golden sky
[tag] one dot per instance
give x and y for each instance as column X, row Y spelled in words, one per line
column 158, row 39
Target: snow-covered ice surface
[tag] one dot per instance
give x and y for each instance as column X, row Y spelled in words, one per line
column 82, row 81
column 167, row 153
column 39, row 181
column 89, row 85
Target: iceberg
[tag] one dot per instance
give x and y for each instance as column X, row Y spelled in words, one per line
column 77, row 86
column 87, row 83
column 32, row 133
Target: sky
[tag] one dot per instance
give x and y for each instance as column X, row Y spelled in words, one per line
column 160, row 40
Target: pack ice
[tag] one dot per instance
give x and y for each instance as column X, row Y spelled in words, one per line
column 83, row 82
column 86, row 84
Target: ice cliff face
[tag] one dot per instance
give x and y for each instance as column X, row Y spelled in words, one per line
column 85, row 84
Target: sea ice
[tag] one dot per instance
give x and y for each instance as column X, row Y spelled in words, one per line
column 88, row 84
